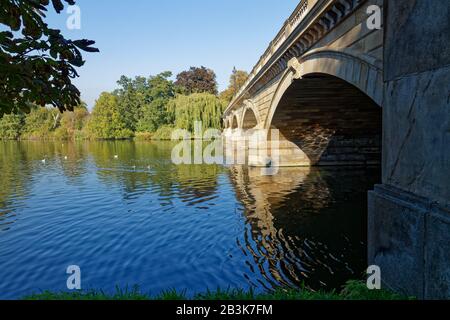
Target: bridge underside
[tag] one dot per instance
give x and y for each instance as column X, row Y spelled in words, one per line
column 333, row 87
column 323, row 120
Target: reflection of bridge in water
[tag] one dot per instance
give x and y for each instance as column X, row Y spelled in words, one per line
column 343, row 92
column 301, row 226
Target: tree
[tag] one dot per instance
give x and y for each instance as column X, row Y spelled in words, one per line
column 142, row 101
column 203, row 107
column 154, row 112
column 133, row 95
column 37, row 63
column 237, row 80
column 197, row 80
column 72, row 123
column 106, row 122
column 40, row 123
column 10, row 126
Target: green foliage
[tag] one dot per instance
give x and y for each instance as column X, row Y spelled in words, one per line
column 143, row 136
column 37, row 63
column 203, row 107
column 40, row 123
column 10, row 126
column 163, row 133
column 353, row 290
column 142, row 102
column 72, row 124
column 132, row 96
column 106, row 121
column 44, row 124
column 197, row 80
column 142, row 107
column 154, row 112
column 237, row 80
column 127, row 294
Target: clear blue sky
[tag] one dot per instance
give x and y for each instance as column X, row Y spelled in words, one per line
column 146, row 37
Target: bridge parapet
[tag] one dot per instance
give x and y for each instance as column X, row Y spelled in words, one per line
column 310, row 21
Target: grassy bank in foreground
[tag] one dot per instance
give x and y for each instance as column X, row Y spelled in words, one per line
column 353, row 290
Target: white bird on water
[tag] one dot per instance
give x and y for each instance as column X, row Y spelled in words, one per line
column 116, row 157
column 43, row 161
column 65, row 158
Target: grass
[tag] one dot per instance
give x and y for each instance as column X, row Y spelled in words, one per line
column 353, row 290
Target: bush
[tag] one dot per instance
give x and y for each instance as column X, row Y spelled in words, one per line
column 10, row 126
column 40, row 123
column 143, row 136
column 72, row 124
column 164, row 133
column 61, row 134
column 123, row 134
column 80, row 135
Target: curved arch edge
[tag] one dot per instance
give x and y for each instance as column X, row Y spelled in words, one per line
column 362, row 71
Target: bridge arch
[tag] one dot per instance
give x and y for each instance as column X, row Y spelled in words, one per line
column 250, row 116
column 234, row 121
column 327, row 111
column 230, row 122
column 362, row 71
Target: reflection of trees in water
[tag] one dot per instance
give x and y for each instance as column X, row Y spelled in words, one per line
column 140, row 168
column 14, row 175
column 197, row 183
column 20, row 162
column 144, row 166
column 305, row 225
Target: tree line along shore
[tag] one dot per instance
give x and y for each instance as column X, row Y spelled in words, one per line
column 143, row 108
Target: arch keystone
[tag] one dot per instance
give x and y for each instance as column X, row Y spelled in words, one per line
column 296, row 67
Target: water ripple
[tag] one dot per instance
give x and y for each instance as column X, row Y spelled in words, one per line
column 139, row 219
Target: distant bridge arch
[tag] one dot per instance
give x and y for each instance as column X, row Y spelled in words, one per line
column 235, row 121
column 250, row 116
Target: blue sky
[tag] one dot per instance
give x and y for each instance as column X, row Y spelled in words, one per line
column 146, row 37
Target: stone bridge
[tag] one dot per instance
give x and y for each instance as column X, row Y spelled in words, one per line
column 342, row 93
column 320, row 84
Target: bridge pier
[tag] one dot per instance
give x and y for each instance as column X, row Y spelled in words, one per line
column 409, row 215
column 343, row 93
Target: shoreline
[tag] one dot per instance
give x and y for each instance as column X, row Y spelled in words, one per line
column 352, row 290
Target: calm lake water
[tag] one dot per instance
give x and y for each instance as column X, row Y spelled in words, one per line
column 141, row 220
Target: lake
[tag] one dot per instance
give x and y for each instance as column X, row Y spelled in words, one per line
column 140, row 220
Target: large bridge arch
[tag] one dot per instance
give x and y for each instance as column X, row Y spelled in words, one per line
column 327, row 110
column 361, row 71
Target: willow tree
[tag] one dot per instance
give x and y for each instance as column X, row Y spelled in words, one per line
column 203, row 107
